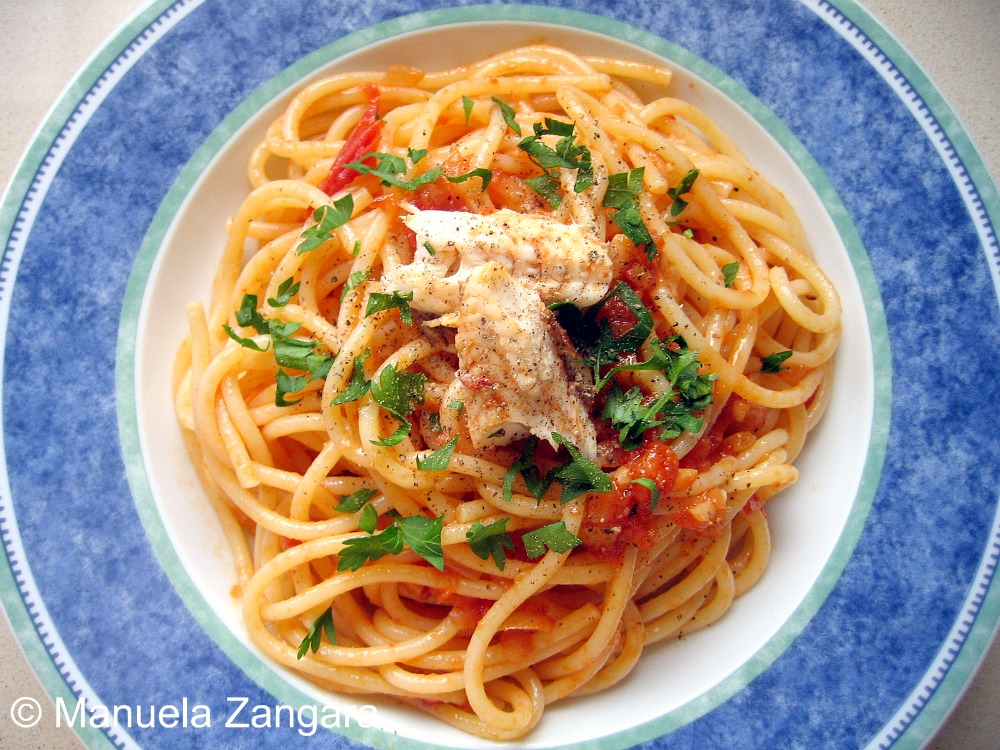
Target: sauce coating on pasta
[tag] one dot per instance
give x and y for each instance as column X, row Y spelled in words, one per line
column 501, row 368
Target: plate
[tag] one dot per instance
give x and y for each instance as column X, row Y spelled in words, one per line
column 114, row 561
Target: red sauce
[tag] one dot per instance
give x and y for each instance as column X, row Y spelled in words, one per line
column 362, row 140
column 624, row 517
column 618, row 316
column 466, row 611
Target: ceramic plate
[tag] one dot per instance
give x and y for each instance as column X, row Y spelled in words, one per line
column 879, row 597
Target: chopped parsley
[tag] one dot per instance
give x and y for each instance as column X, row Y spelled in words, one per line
column 623, row 196
column 652, row 488
column 773, row 362
column 379, row 301
column 327, row 218
column 555, row 537
column 322, row 624
column 420, row 533
column 389, row 168
column 397, row 392
column 490, row 540
column 508, row 115
column 358, row 385
column 286, row 290
column 682, row 188
column 439, row 459
column 355, row 501
column 289, row 351
column 577, row 476
column 594, row 336
column 729, row 272
column 631, row 413
column 355, row 280
column 567, row 154
column 525, row 466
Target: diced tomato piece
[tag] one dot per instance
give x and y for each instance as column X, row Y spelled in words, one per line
column 361, row 141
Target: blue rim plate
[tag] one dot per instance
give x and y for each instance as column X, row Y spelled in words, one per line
column 875, row 651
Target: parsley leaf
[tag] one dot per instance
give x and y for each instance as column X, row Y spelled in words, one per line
column 355, row 501
column 359, row 550
column 629, row 220
column 606, row 347
column 631, row 414
column 423, row 536
column 508, row 117
column 396, row 392
column 546, row 186
column 623, row 196
column 286, row 384
column 467, row 105
column 355, row 280
column 298, row 354
column 491, row 540
column 327, row 218
column 322, row 624
column 249, row 316
column 567, row 154
column 358, row 385
column 773, row 362
column 419, row 533
column 525, row 466
column 290, row 352
column 555, row 537
column 389, row 167
column 578, row 476
column 683, row 187
column 439, row 459
column 369, row 519
column 729, row 272
column 286, row 290
column 652, row 488
column 482, row 173
column 379, row 301
column 243, row 340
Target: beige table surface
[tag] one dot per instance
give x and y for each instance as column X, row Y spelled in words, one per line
column 955, row 41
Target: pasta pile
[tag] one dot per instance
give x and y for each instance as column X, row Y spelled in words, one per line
column 501, row 367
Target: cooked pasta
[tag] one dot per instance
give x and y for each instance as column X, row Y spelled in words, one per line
column 501, row 367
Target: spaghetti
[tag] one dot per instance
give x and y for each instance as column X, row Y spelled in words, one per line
column 501, row 367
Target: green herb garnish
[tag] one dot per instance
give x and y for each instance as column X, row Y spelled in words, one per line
column 439, row 459
column 577, row 476
column 729, row 272
column 358, row 385
column 355, row 501
column 379, row 301
column 286, row 290
column 508, row 115
column 772, row 363
column 623, row 196
column 322, row 624
column 491, row 540
column 567, row 154
column 682, row 188
column 555, row 537
column 327, row 218
column 419, row 533
column 397, row 392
